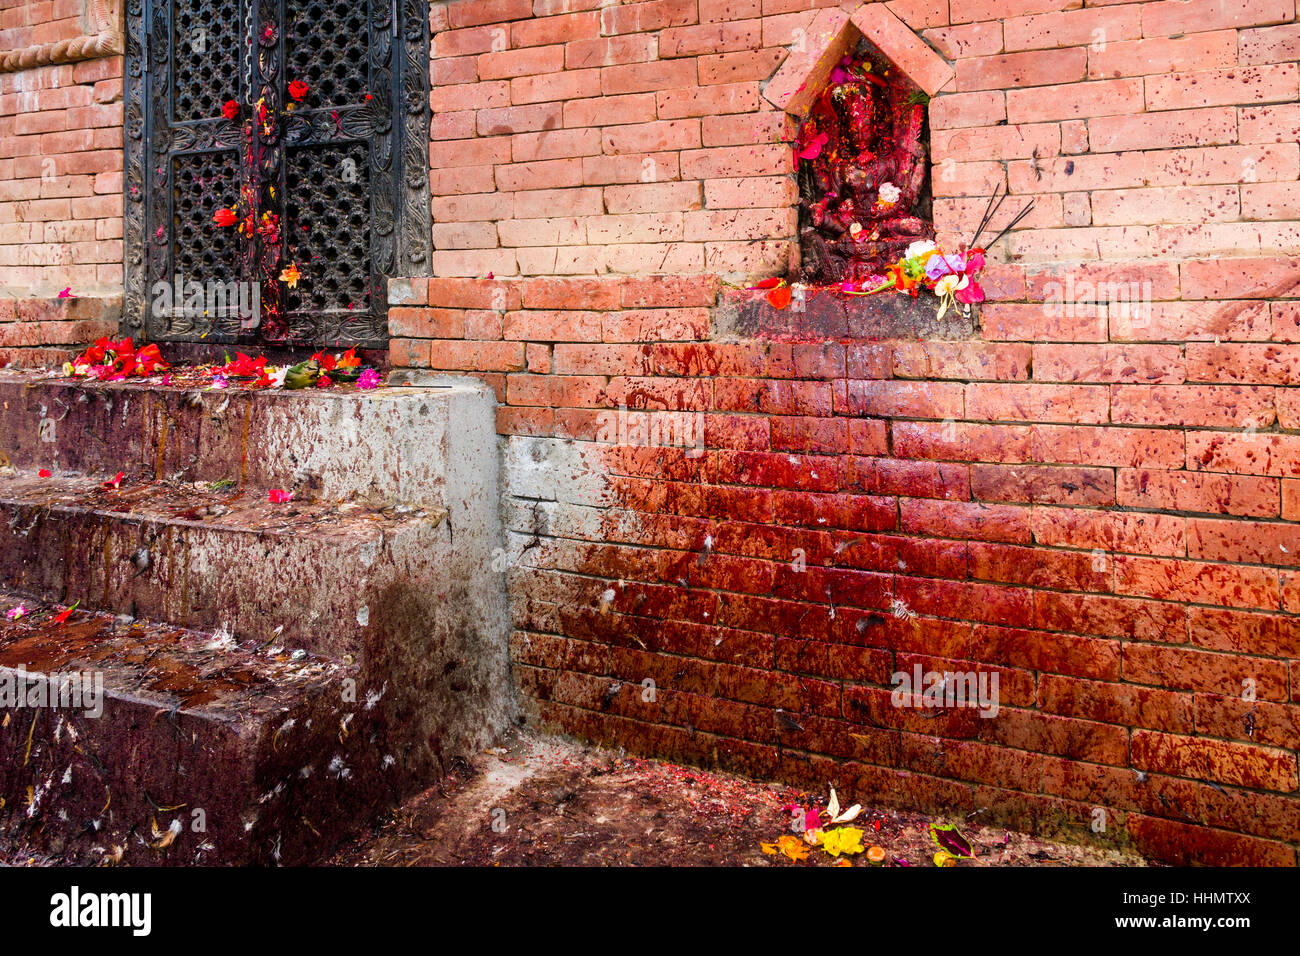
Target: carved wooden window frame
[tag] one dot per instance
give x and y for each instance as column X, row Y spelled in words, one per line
column 400, row 216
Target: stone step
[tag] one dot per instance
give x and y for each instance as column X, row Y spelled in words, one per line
column 380, row 572
column 330, row 579
column 391, row 445
column 249, row 755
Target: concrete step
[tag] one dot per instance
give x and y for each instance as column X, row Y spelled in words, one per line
column 381, row 571
column 325, row 578
column 392, row 445
column 250, row 755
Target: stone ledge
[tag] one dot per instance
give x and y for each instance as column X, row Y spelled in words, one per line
column 828, row 314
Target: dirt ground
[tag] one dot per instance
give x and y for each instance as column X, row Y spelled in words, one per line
column 544, row 801
column 540, row 801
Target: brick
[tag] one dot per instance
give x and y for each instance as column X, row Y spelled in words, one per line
column 563, row 24
column 1171, row 17
column 719, row 36
column 1095, row 28
column 553, row 326
column 1271, row 635
column 654, row 137
column 736, row 161
column 1270, row 44
column 569, row 85
column 548, row 174
column 707, row 101
column 1249, row 542
column 514, row 63
column 1226, row 87
column 964, row 11
column 519, row 119
column 739, row 67
column 642, row 17
column 1014, row 70
column 998, row 142
column 473, row 294
column 1203, row 759
column 1162, row 535
column 772, row 192
column 610, row 110
column 1039, row 484
column 741, row 129
column 1120, row 207
column 470, row 96
column 966, row 40
column 468, row 13
column 1208, row 127
column 1206, row 406
column 1263, row 201
column 648, row 77
column 1037, row 403
column 610, row 51
column 958, row 110
column 1139, row 364
column 1241, row 278
column 567, row 203
column 1190, row 491
column 1193, row 845
column 653, row 197
column 1197, row 582
column 554, row 144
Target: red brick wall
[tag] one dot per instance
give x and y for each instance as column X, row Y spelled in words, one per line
column 60, row 181
column 1095, row 501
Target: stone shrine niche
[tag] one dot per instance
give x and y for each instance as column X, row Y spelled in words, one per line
column 864, row 157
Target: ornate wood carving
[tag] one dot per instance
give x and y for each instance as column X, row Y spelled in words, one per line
column 346, row 170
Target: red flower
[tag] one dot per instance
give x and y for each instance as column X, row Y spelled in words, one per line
column 780, row 297
column 277, row 497
column 230, row 110
column 149, row 360
column 244, row 366
column 116, row 481
column 225, row 217
column 44, row 473
column 63, row 615
column 298, row 90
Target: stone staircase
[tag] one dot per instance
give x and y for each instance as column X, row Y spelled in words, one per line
column 273, row 675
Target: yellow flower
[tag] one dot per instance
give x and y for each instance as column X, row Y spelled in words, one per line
column 846, row 840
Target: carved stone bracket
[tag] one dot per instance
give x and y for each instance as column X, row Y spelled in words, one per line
column 106, row 18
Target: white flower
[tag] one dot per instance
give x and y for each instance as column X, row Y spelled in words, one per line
column 889, row 193
column 947, row 285
column 920, row 248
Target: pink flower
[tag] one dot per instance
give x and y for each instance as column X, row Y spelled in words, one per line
column 972, row 294
column 368, row 379
column 219, row 381
column 278, row 497
column 14, row 613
